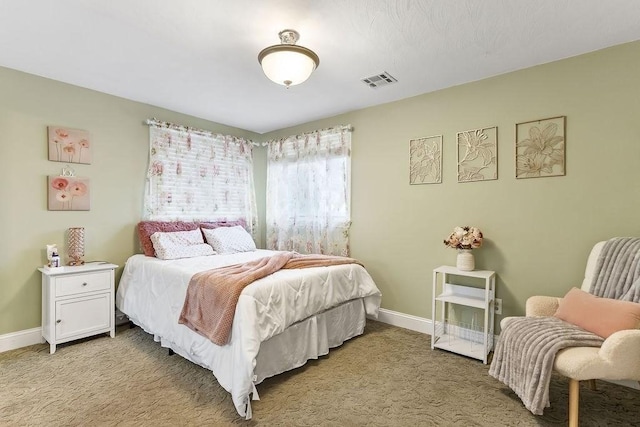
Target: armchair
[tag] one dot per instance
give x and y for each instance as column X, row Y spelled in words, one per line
column 617, row 359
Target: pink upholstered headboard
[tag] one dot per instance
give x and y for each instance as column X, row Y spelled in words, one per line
column 216, row 224
column 147, row 228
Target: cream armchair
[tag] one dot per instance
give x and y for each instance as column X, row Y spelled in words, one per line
column 617, row 359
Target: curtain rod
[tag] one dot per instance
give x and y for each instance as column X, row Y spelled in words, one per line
column 157, row 123
column 203, row 132
column 338, row 128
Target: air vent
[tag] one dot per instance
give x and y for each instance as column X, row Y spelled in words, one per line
column 382, row 79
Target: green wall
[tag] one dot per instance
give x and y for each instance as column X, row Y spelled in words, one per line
column 120, row 143
column 538, row 231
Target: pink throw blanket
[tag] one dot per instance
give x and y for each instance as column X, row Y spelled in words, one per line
column 212, row 295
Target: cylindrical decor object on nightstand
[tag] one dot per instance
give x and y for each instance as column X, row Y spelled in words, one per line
column 76, row 245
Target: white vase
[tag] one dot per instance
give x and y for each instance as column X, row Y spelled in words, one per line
column 465, row 260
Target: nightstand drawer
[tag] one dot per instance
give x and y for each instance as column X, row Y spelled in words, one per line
column 80, row 283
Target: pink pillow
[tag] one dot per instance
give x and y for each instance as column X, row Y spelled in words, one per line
column 602, row 316
column 147, row 228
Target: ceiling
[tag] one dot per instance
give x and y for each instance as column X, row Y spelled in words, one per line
column 199, row 57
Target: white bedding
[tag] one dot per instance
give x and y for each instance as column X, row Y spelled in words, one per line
column 152, row 291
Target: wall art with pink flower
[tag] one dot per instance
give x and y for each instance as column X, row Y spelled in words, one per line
column 68, row 193
column 69, row 145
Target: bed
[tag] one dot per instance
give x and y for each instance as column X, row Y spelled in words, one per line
column 280, row 321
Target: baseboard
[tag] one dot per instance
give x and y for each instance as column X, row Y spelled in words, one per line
column 20, row 339
column 406, row 321
column 415, row 323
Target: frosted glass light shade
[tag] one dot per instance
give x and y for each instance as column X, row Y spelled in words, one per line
column 288, row 64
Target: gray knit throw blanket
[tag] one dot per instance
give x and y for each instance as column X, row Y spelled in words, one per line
column 524, row 355
column 618, row 270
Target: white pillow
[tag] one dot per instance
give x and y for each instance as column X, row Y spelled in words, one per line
column 228, row 240
column 180, row 244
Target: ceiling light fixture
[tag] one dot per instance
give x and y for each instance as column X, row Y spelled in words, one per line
column 288, row 64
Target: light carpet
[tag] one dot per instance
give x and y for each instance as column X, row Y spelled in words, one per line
column 387, row 377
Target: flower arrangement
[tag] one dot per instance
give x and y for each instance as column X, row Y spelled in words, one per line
column 464, row 238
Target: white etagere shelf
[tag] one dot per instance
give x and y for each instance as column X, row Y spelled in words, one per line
column 474, row 339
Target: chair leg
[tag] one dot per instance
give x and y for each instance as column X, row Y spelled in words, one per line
column 574, row 400
column 592, row 385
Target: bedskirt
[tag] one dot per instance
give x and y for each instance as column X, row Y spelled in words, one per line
column 303, row 341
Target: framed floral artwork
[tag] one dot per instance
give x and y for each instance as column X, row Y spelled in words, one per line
column 69, row 145
column 478, row 154
column 68, row 193
column 540, row 148
column 425, row 160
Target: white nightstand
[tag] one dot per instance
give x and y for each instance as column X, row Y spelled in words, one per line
column 77, row 302
column 472, row 339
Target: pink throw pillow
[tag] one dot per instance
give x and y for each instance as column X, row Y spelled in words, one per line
column 147, row 228
column 601, row 316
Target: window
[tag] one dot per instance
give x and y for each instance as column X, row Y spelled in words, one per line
column 309, row 192
column 199, row 176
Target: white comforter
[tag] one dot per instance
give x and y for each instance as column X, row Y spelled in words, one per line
column 152, row 291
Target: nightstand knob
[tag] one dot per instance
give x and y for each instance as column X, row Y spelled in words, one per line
column 84, row 284
column 58, row 321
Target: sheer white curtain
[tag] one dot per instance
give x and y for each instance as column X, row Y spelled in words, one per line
column 309, row 192
column 196, row 175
